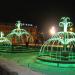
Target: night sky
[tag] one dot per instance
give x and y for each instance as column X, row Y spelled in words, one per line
column 36, row 12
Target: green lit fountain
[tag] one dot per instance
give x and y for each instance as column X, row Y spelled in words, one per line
column 4, row 40
column 59, row 50
column 5, row 44
column 21, row 35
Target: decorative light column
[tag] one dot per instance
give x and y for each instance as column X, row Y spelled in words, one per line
column 65, row 23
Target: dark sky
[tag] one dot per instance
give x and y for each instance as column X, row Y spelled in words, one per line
column 36, row 12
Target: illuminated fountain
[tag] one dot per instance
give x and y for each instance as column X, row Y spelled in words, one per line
column 59, row 50
column 18, row 35
column 5, row 44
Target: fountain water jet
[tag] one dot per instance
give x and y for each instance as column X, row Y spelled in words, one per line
column 59, row 49
column 20, row 35
column 5, row 44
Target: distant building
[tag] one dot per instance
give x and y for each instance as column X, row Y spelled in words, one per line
column 6, row 28
column 32, row 29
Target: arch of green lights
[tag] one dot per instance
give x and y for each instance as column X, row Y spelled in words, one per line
column 5, row 44
column 19, row 32
column 60, row 48
column 4, row 40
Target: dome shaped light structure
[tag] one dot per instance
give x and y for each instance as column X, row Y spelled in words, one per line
column 18, row 33
column 60, row 48
column 5, row 44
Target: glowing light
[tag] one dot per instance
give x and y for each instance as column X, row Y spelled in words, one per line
column 52, row 31
column 4, row 39
column 18, row 24
column 57, row 49
column 2, row 34
column 71, row 29
column 65, row 23
column 19, row 32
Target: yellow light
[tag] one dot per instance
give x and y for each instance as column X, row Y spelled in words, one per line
column 71, row 29
column 52, row 31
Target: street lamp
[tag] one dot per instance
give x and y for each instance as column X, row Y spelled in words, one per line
column 52, row 31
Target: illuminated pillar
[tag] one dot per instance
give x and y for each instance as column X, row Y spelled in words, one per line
column 65, row 23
